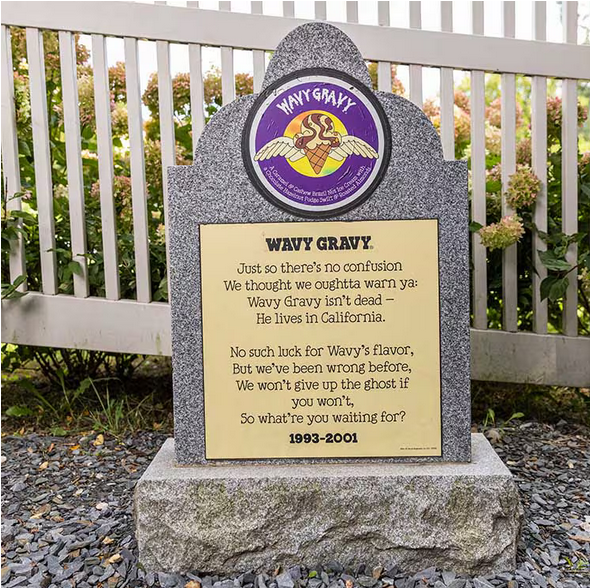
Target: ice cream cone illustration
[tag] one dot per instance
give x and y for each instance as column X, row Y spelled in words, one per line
column 317, row 157
column 317, row 138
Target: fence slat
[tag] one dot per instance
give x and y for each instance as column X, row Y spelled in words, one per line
column 477, row 18
column 478, row 180
column 416, row 70
column 508, row 157
column 539, row 164
column 383, row 14
column 42, row 155
column 197, row 93
column 384, row 76
column 320, row 10
column 383, row 67
column 447, row 90
column 166, row 112
column 289, row 9
column 508, row 19
column 259, row 64
column 228, row 84
column 258, row 56
column 69, row 82
column 102, row 104
column 138, row 183
column 569, row 172
column 352, row 12
column 10, row 158
column 570, row 22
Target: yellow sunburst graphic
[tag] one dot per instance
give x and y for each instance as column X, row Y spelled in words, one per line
column 302, row 165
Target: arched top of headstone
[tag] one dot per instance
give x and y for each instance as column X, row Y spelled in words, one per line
column 325, row 46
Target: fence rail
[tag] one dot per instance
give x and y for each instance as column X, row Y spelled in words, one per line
column 253, row 31
column 142, row 326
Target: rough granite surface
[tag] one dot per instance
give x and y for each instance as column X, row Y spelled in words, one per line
column 418, row 184
column 236, row 518
column 320, row 41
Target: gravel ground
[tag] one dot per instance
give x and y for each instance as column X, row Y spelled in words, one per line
column 67, row 521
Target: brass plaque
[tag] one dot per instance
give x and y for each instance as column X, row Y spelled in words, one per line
column 321, row 339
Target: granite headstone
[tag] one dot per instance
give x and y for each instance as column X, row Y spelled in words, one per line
column 320, row 331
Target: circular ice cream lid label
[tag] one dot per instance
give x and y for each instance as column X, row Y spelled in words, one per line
column 316, row 143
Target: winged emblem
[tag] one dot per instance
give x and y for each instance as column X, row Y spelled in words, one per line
column 317, row 140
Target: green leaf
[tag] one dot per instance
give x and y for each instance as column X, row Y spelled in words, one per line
column 10, row 292
column 84, row 385
column 550, row 260
column 26, row 216
column 556, row 238
column 75, row 268
column 87, row 132
column 19, row 411
column 575, row 238
column 546, row 286
column 19, row 280
column 58, row 432
column 544, row 236
column 474, row 226
column 554, row 287
column 558, row 289
column 23, row 147
column 59, row 250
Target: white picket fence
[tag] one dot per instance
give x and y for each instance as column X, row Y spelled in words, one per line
column 142, row 326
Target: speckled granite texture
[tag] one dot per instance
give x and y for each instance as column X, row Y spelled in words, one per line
column 227, row 518
column 325, row 46
column 418, row 184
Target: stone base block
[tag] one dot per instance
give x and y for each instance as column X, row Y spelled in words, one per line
column 233, row 518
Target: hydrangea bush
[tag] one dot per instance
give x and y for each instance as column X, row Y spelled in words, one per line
column 523, row 188
column 510, row 211
column 502, row 234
